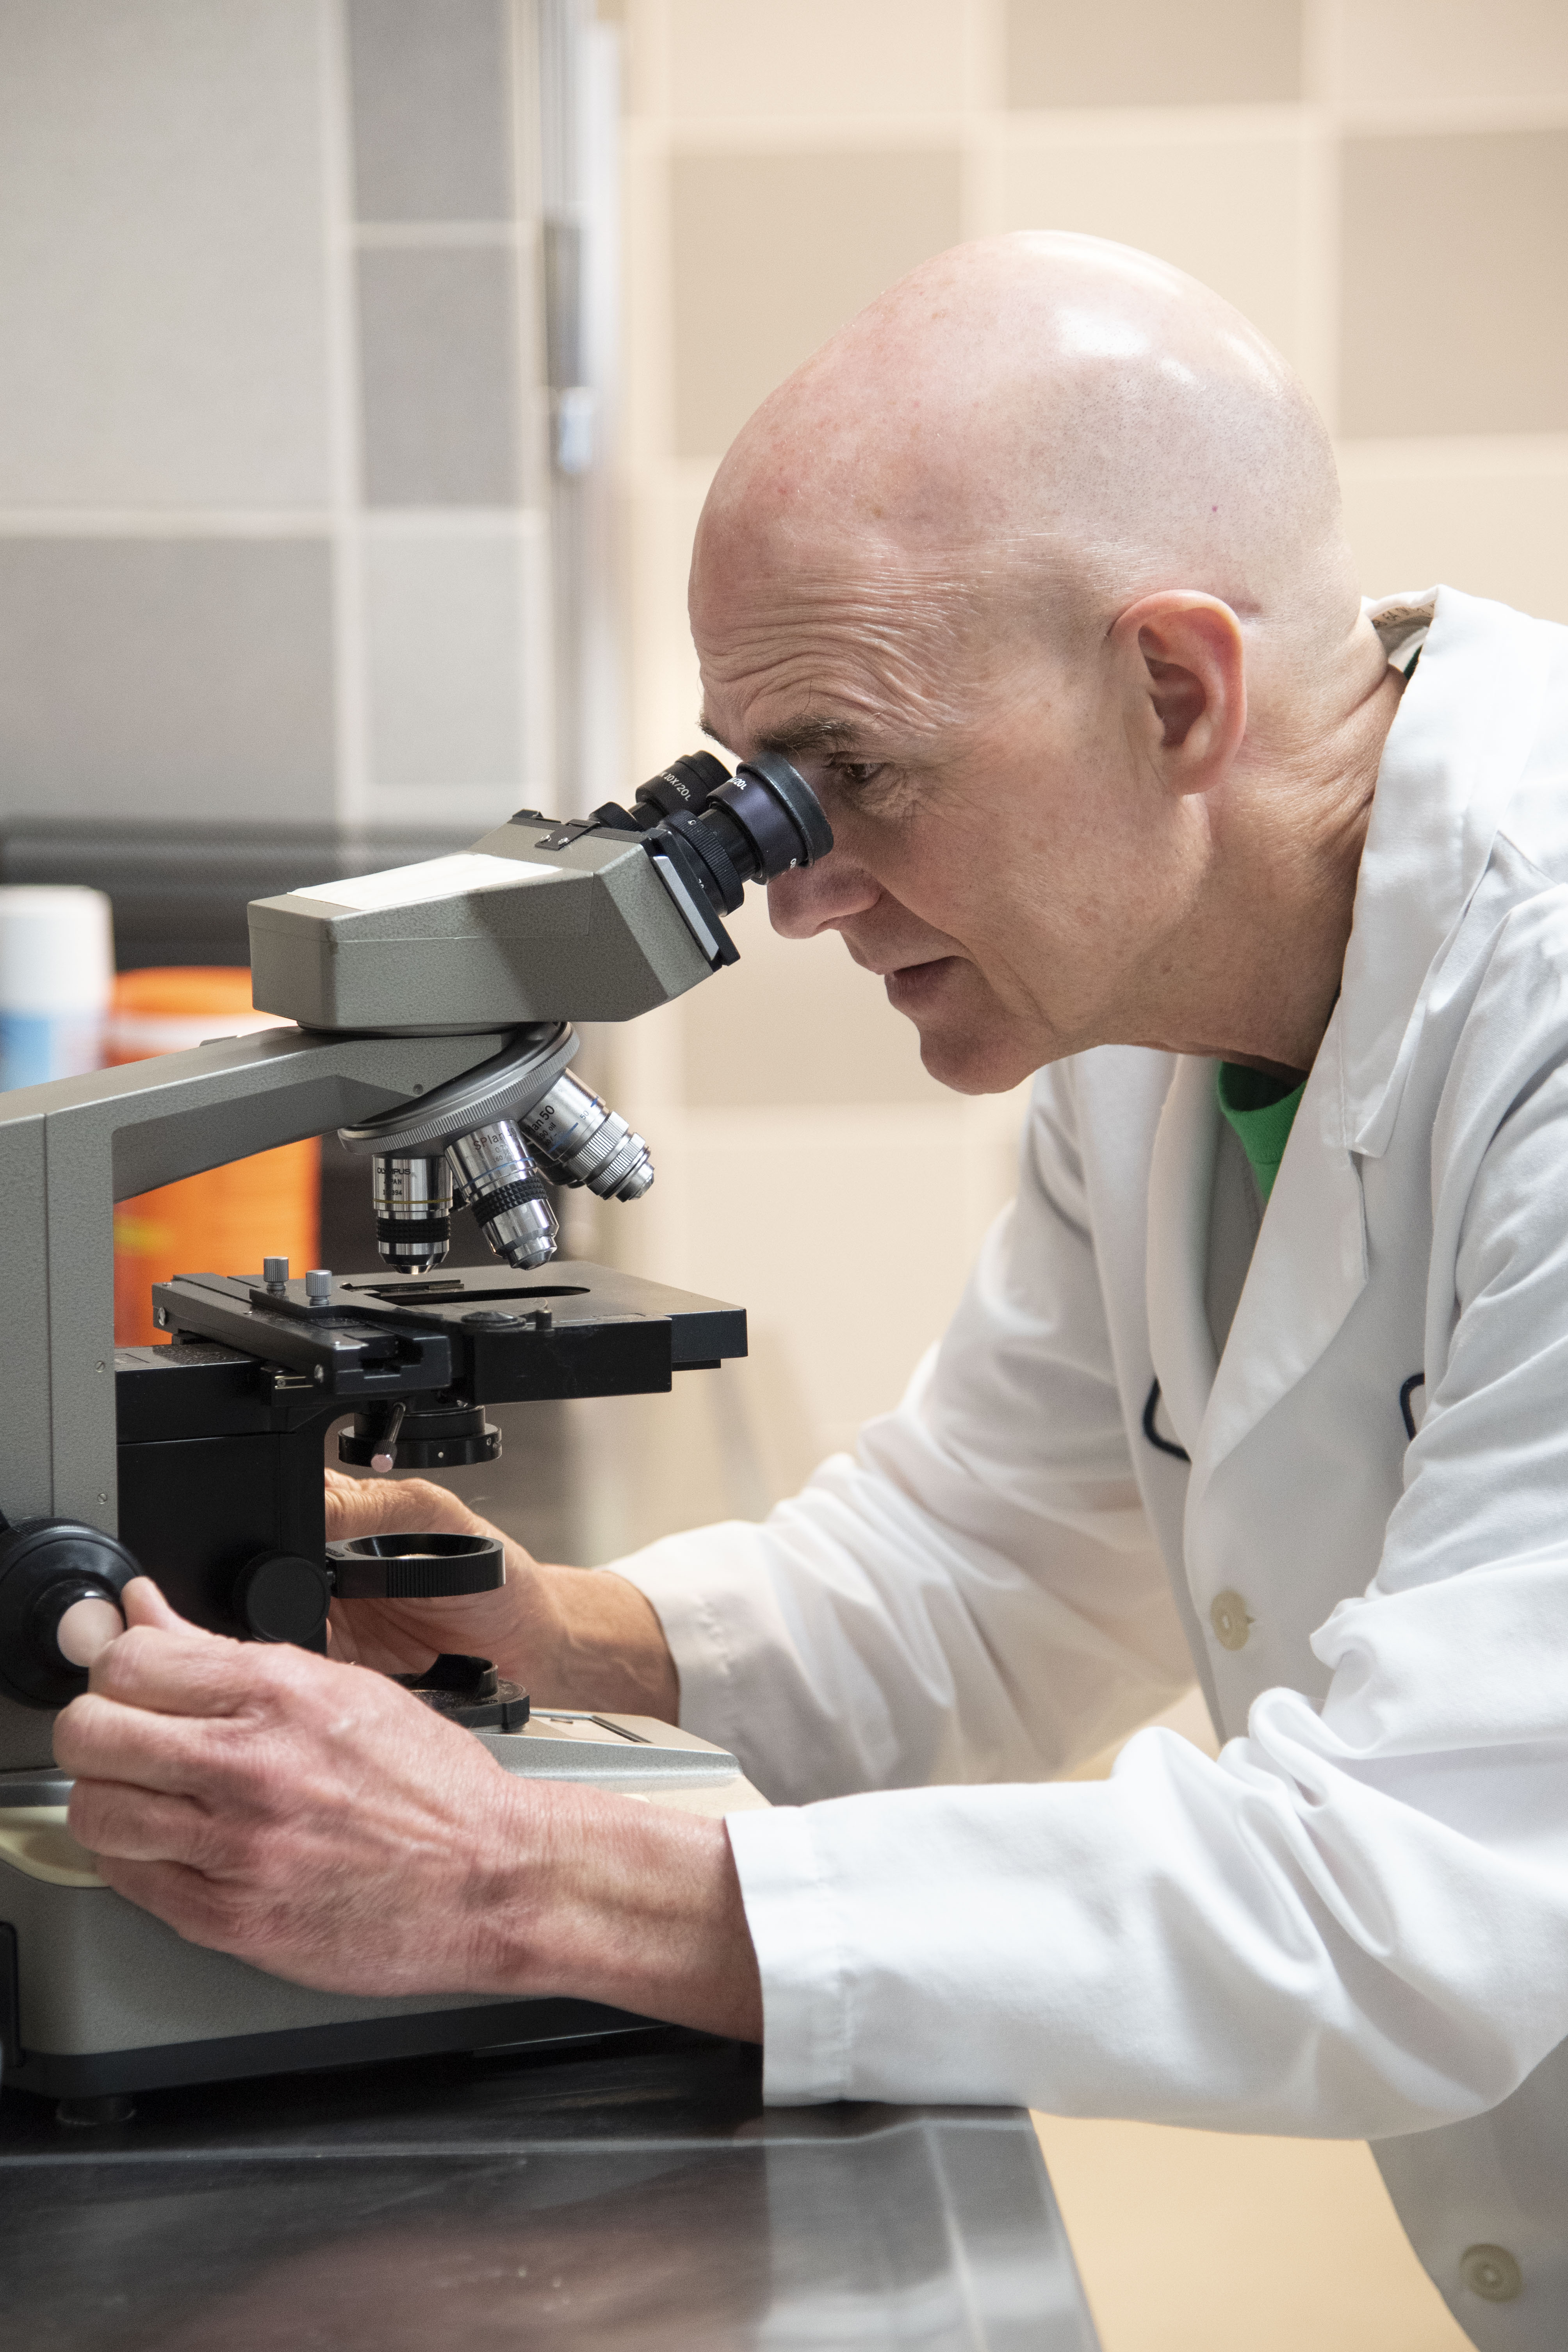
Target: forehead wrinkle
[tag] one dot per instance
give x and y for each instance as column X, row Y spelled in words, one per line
column 805, row 732
column 889, row 646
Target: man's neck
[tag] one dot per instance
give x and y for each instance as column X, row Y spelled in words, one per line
column 1270, row 937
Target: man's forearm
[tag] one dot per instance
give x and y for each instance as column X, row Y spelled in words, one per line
column 626, row 1903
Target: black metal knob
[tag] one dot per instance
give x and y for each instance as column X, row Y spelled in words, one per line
column 44, row 1566
column 415, row 1567
column 279, row 1596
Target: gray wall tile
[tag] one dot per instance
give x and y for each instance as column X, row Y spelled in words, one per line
column 162, row 253
column 1455, row 283
column 445, row 636
column 438, row 376
column 1148, row 53
column 431, row 113
column 166, row 678
column 772, row 252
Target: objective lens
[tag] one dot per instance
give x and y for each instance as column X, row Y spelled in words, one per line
column 499, row 1181
column 412, row 1199
column 585, row 1143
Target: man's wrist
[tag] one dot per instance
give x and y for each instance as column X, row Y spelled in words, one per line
column 610, row 1899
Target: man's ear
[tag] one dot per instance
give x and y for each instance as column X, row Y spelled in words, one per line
column 1184, row 661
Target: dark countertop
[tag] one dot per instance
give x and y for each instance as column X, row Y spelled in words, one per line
column 634, row 2196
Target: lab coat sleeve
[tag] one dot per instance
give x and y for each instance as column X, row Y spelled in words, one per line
column 1355, row 1922
column 974, row 1595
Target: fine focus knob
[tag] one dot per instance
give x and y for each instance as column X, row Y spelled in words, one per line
column 46, row 1567
column 280, row 1596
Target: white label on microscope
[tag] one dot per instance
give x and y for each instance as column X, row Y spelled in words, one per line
column 434, row 877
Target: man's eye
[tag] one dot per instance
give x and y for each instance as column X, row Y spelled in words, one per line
column 857, row 771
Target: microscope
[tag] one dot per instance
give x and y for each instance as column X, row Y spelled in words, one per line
column 434, row 1005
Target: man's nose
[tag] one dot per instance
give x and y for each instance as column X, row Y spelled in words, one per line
column 812, row 898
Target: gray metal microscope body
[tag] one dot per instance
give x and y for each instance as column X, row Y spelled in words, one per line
column 436, row 983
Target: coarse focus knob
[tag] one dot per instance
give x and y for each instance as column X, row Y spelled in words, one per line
column 46, row 1567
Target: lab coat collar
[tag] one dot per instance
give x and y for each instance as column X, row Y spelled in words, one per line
column 1455, row 754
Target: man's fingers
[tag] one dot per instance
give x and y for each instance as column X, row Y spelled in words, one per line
column 182, row 1671
column 384, row 1507
column 96, row 1738
column 140, row 1824
column 181, row 1896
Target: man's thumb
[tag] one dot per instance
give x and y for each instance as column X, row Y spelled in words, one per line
column 144, row 1605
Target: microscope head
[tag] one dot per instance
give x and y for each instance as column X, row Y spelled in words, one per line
column 538, row 925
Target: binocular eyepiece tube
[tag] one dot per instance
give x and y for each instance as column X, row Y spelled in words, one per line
column 725, row 831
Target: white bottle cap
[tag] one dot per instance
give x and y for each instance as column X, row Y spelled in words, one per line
column 56, row 949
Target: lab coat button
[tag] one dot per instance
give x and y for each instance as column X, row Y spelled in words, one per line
column 1491, row 2272
column 1227, row 1615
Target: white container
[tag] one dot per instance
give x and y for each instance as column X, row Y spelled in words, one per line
column 57, row 972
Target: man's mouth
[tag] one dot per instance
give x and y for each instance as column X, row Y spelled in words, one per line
column 910, row 985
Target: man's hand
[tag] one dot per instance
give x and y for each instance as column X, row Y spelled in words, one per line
column 313, row 1818
column 510, row 1627
column 571, row 1636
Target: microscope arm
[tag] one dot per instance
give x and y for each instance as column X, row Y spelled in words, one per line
column 71, row 1149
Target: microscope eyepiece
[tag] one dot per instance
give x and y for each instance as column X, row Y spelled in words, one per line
column 761, row 821
column 686, row 783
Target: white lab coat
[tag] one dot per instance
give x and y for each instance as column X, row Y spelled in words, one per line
column 1355, row 1922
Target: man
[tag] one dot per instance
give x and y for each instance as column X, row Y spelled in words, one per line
column 1037, row 571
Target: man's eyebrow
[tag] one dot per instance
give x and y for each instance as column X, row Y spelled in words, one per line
column 810, row 732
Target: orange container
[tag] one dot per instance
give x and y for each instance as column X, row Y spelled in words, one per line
column 228, row 1219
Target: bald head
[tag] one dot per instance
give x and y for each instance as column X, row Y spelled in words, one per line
column 1038, row 568
column 1053, row 414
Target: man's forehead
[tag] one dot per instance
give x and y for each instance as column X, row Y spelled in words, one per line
column 796, row 735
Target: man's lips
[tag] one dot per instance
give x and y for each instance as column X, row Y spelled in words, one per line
column 912, row 984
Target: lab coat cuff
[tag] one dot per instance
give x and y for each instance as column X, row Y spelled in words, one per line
column 696, row 1585
column 792, row 1915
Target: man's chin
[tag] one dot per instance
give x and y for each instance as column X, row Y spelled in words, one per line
column 966, row 1045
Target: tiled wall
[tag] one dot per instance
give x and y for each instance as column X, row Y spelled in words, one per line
column 273, row 474
column 1380, row 184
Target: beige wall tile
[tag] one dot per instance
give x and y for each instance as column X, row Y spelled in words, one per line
column 661, row 522
column 1490, row 520
column 818, row 58
column 795, row 1022
column 1202, row 2241
column 1146, row 52
column 1228, row 211
column 1451, row 51
column 772, row 252
column 848, row 1238
column 1455, row 283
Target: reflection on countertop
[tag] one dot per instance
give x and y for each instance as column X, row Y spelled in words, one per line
column 639, row 2194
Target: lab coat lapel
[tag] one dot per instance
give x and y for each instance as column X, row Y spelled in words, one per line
column 1180, row 1185
column 1308, row 1270
column 1454, row 754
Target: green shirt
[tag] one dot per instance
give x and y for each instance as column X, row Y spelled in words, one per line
column 1260, row 1109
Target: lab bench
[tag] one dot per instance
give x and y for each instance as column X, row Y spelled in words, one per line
column 628, row 2193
